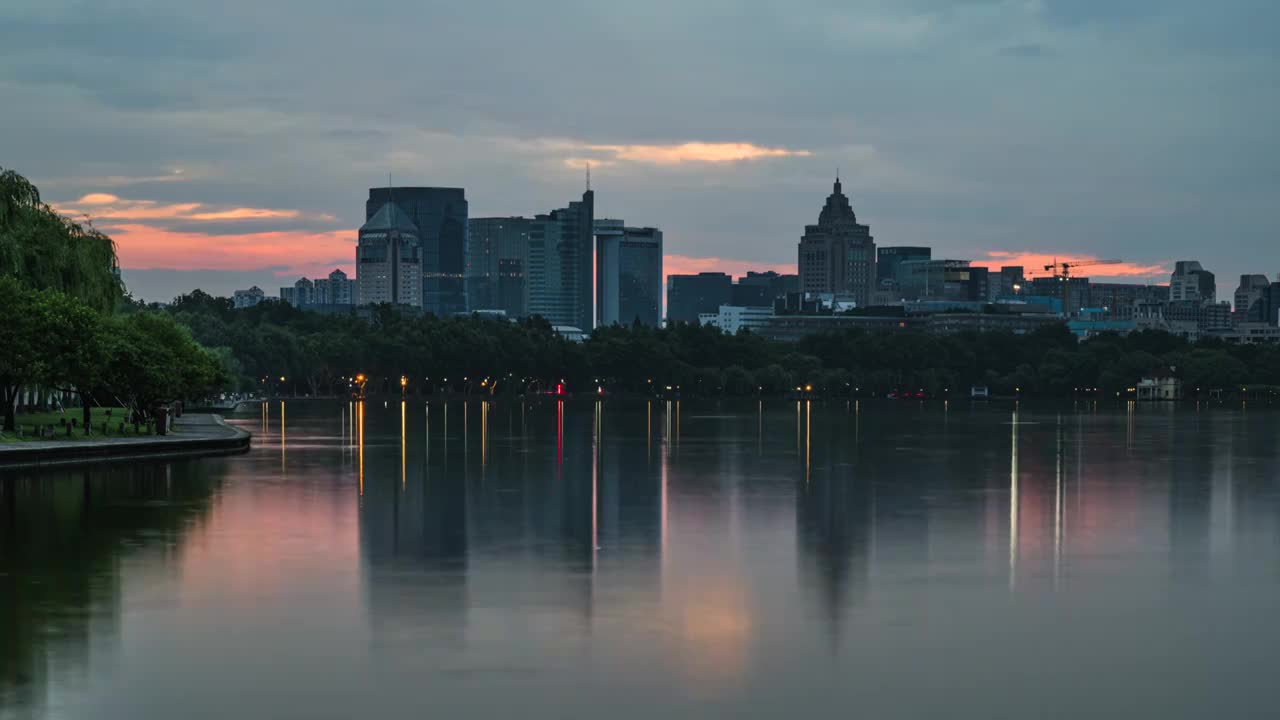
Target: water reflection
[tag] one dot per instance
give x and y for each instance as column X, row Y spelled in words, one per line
column 63, row 538
column 563, row 558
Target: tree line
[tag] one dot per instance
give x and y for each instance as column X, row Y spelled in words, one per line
column 62, row 327
column 318, row 354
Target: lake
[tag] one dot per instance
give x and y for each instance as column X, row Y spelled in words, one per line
column 629, row 559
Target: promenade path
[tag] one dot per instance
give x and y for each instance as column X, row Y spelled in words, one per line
column 193, row 434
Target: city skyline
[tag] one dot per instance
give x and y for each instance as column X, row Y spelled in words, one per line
column 1051, row 129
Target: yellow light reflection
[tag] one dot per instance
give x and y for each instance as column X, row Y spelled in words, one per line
column 403, row 478
column 648, row 429
column 360, row 442
column 484, row 432
column 281, row 434
column 808, row 413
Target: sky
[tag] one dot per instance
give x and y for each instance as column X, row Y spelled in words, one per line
column 232, row 143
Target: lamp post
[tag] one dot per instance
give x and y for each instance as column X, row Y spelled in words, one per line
column 360, row 381
column 404, row 384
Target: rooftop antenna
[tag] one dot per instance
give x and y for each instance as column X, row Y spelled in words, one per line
column 588, row 176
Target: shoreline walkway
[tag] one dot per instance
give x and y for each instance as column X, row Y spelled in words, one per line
column 194, row 434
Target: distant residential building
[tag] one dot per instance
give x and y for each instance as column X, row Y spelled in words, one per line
column 1190, row 281
column 838, row 255
column 628, row 274
column 1252, row 288
column 336, row 289
column 438, row 216
column 733, row 318
column 389, row 259
column 242, row 299
column 560, row 272
column 689, row 296
column 301, row 294
column 499, row 254
column 888, row 258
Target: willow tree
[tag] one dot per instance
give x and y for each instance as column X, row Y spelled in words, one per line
column 46, row 251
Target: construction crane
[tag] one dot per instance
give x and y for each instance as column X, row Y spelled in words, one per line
column 1062, row 271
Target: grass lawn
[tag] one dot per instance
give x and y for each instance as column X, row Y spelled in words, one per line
column 29, row 421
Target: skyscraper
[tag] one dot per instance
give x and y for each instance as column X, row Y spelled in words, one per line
column 628, row 274
column 499, row 252
column 389, row 259
column 559, row 273
column 838, row 255
column 439, row 217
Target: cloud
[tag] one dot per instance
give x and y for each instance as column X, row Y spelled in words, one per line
column 110, row 208
column 293, row 252
column 695, row 152
column 1035, row 264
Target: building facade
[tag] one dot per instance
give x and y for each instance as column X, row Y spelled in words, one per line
column 838, row 255
column 760, row 289
column 1252, row 288
column 628, row 274
column 336, row 289
column 735, row 318
column 560, row 269
column 439, row 219
column 499, row 254
column 389, row 260
column 689, row 296
column 1190, row 281
column 887, row 259
column 302, row 293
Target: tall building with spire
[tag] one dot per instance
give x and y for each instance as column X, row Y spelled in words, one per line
column 560, row 270
column 838, row 255
column 389, row 259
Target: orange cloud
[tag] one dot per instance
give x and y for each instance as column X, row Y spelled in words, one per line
column 1035, row 264
column 105, row 206
column 296, row 252
column 694, row 152
column 98, row 199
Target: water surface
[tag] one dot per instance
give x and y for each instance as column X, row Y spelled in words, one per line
column 627, row 559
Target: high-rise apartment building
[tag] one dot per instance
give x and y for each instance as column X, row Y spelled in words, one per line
column 838, row 255
column 1190, row 281
column 499, row 252
column 334, row 290
column 439, row 219
column 301, row 293
column 389, row 259
column 628, row 274
column 560, row 271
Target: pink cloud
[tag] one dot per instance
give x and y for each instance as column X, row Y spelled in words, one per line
column 297, row 252
column 106, row 206
column 1035, row 264
column 694, row 152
